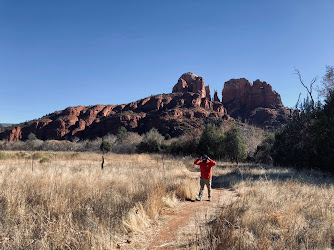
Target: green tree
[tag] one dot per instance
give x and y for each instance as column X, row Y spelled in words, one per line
column 122, row 134
column 32, row 142
column 263, row 153
column 211, row 142
column 235, row 148
column 307, row 141
column 32, row 137
column 106, row 146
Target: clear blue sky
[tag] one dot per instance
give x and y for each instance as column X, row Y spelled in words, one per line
column 55, row 54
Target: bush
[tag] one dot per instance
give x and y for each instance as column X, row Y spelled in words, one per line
column 3, row 155
column 93, row 145
column 235, row 148
column 38, row 155
column 21, row 155
column 175, row 147
column 128, row 145
column 106, row 146
column 122, row 134
column 263, row 153
column 184, row 145
column 152, row 142
column 32, row 137
column 44, row 160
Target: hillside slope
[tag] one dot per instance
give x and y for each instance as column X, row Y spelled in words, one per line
column 189, row 106
column 171, row 114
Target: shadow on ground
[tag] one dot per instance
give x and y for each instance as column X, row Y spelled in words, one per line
column 246, row 172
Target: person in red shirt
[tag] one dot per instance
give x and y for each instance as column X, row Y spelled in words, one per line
column 206, row 165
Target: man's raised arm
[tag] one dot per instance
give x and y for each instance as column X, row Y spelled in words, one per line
column 197, row 161
column 211, row 162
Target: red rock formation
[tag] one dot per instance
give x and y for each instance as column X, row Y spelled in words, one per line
column 207, row 92
column 186, row 108
column 215, row 97
column 269, row 118
column 243, row 93
column 241, row 98
column 235, row 89
column 189, row 82
column 15, row 134
column 165, row 112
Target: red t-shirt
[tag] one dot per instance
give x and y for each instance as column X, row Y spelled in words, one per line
column 206, row 172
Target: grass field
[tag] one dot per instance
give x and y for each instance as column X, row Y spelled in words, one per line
column 275, row 208
column 68, row 202
column 64, row 200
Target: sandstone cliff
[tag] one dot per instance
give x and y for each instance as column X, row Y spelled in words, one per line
column 255, row 102
column 188, row 107
column 189, row 82
column 171, row 114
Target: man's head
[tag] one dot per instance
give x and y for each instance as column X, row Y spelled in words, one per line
column 204, row 158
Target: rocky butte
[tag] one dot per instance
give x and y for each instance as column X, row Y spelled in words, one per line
column 172, row 114
column 189, row 82
column 256, row 103
column 189, row 106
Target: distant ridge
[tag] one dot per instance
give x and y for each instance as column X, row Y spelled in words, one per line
column 188, row 107
column 3, row 125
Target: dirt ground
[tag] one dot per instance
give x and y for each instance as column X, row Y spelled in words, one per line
column 181, row 226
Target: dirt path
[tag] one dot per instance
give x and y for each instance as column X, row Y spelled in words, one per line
column 183, row 224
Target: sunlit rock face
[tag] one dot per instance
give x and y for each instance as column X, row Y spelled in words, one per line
column 189, row 82
column 172, row 114
column 255, row 102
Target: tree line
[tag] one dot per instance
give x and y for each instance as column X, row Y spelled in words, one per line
column 223, row 146
column 307, row 141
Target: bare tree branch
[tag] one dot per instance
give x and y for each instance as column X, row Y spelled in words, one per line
column 309, row 90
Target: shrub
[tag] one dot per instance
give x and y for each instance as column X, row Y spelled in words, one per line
column 21, row 155
column 93, row 145
column 175, row 147
column 38, row 155
column 106, row 146
column 122, row 134
column 263, row 153
column 235, row 148
column 152, row 142
column 44, row 160
column 32, row 137
column 184, row 145
column 3, row 155
column 128, row 145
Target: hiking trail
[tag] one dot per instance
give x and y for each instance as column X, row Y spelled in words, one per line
column 182, row 225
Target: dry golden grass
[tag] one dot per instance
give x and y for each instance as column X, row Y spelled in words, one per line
column 276, row 208
column 68, row 202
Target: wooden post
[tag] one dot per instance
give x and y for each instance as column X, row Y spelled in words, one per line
column 102, row 162
column 32, row 162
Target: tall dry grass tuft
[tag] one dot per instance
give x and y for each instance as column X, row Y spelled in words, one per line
column 69, row 202
column 276, row 208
